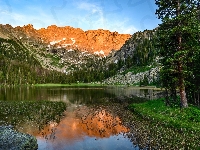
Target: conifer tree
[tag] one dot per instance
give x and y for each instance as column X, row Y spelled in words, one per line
column 175, row 37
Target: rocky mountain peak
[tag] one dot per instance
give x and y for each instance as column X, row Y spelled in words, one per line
column 94, row 41
column 100, row 42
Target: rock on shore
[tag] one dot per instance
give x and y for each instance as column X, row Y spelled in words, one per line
column 13, row 140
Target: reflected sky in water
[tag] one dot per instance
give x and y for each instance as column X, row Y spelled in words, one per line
column 85, row 128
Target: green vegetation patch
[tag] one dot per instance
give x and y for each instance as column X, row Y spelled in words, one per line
column 163, row 127
column 187, row 119
column 138, row 69
column 39, row 113
column 71, row 84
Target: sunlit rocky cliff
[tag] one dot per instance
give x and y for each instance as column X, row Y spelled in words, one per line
column 99, row 42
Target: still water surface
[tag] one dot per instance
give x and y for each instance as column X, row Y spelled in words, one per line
column 87, row 124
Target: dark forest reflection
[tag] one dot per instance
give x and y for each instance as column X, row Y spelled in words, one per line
column 72, row 94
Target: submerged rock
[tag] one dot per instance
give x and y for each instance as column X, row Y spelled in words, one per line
column 13, row 140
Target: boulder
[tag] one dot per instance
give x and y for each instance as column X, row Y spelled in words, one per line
column 13, row 140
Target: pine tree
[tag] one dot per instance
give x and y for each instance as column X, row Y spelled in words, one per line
column 178, row 29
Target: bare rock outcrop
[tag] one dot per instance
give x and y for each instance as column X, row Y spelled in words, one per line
column 100, row 42
column 94, row 41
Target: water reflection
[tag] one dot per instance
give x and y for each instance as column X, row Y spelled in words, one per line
column 72, row 94
column 86, row 125
column 149, row 93
column 82, row 124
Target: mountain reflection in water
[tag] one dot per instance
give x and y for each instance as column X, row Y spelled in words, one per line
column 83, row 126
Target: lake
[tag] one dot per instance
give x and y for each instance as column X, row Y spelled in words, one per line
column 91, row 120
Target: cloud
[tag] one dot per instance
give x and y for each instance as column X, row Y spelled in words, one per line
column 95, row 18
column 93, row 8
column 121, row 26
column 84, row 15
column 94, row 13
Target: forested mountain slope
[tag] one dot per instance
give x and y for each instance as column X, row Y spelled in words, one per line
column 19, row 66
column 27, row 59
column 136, row 61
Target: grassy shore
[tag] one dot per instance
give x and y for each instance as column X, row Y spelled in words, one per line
column 161, row 127
column 93, row 85
column 70, row 85
column 187, row 119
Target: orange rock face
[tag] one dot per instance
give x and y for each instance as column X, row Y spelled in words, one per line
column 93, row 41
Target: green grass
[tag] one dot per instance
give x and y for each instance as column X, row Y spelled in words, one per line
column 165, row 127
column 69, row 85
column 55, row 60
column 156, row 111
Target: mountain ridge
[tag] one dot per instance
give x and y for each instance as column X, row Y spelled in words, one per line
column 100, row 42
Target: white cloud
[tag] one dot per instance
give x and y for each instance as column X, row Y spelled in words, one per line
column 121, row 26
column 95, row 18
column 90, row 7
column 94, row 14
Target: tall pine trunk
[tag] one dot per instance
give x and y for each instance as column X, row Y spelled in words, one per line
column 183, row 98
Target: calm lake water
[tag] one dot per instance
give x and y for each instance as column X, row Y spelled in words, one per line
column 87, row 124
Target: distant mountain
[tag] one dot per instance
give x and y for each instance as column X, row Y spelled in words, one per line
column 67, row 54
column 72, row 46
column 94, row 41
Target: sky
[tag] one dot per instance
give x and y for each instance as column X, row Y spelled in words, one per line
column 123, row 16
